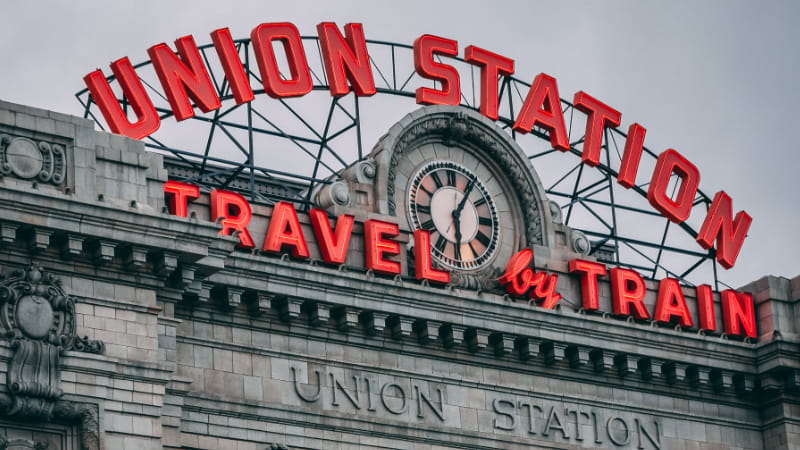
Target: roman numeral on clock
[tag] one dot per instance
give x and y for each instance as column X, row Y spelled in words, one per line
column 441, row 243
column 474, row 252
column 483, row 239
column 436, row 179
column 451, row 178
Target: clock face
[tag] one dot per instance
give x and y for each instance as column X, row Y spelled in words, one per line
column 452, row 203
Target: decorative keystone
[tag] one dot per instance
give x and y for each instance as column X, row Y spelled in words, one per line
column 70, row 246
column 527, row 348
column 135, row 258
column 502, row 343
column 476, row 339
column 345, row 318
column 183, row 276
column 401, row 327
column 649, row 368
column 427, row 331
column 318, row 313
column 773, row 381
column 257, row 303
column 553, row 352
column 227, row 297
column 39, row 240
column 577, row 356
column 288, row 308
column 234, row 296
column 674, row 372
column 8, row 232
column 198, row 291
column 601, row 360
column 721, row 380
column 793, row 379
column 626, row 364
column 451, row 335
column 374, row 322
column 103, row 251
column 744, row 383
column 164, row 264
column 698, row 376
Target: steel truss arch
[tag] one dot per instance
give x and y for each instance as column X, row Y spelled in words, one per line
column 274, row 150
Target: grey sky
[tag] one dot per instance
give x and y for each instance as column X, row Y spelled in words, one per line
column 714, row 80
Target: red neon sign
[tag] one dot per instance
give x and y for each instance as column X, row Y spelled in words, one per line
column 426, row 47
column 234, row 213
column 520, row 279
column 332, row 245
column 284, row 233
column 185, row 78
column 345, row 57
column 492, row 66
column 275, row 85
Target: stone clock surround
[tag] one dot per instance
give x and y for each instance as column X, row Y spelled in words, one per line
column 206, row 347
column 455, row 125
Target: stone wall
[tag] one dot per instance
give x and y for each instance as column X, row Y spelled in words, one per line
column 182, row 341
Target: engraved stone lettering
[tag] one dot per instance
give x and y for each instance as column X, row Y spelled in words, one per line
column 510, row 422
column 618, row 431
column 391, row 405
column 555, row 422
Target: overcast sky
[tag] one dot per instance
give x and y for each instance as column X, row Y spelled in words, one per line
column 715, row 80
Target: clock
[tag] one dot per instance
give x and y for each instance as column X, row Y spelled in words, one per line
column 457, row 174
column 455, row 206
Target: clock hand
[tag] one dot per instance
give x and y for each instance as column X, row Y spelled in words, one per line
column 457, row 223
column 457, row 212
column 463, row 202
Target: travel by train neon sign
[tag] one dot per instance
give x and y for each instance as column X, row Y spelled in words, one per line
column 284, row 234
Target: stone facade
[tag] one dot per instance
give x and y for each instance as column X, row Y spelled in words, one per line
column 179, row 340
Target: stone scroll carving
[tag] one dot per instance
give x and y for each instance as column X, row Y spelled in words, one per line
column 38, row 319
column 28, row 159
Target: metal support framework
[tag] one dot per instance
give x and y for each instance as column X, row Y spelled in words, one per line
column 282, row 150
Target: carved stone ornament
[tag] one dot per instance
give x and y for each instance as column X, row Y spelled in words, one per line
column 38, row 319
column 454, row 125
column 22, row 444
column 28, row 159
column 464, row 137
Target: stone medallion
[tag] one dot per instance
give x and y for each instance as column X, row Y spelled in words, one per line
column 38, row 318
column 34, row 316
column 32, row 160
column 24, row 158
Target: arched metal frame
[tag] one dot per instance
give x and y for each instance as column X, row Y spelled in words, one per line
column 281, row 149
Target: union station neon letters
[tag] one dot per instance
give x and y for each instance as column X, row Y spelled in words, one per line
column 186, row 81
